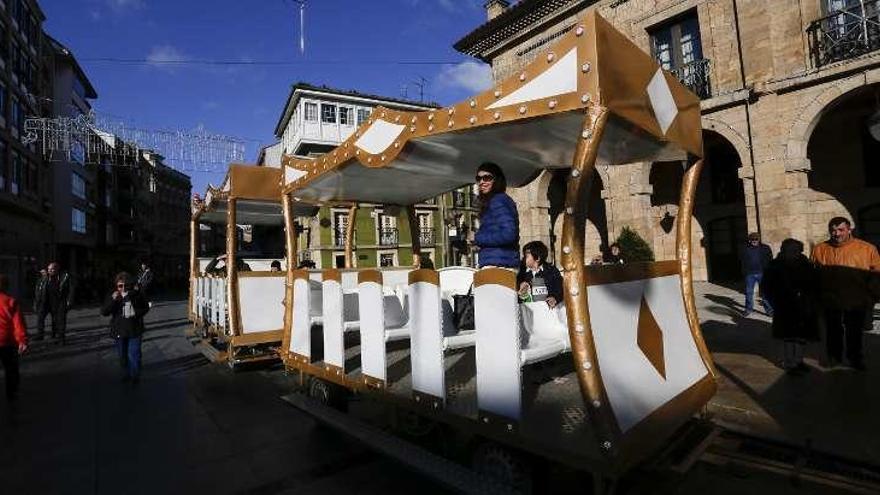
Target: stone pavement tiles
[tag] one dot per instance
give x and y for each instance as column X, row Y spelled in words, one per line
column 834, row 410
column 189, row 427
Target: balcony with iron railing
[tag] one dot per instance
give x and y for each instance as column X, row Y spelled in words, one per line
column 339, row 238
column 695, row 75
column 427, row 236
column 388, row 236
column 845, row 34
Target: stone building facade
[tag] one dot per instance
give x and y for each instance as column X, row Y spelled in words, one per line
column 791, row 119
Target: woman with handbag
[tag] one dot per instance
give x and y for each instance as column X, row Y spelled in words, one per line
column 498, row 235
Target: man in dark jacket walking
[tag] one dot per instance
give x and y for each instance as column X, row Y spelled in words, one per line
column 126, row 308
column 754, row 258
column 54, row 295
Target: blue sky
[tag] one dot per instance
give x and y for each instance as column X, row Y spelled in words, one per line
column 349, row 44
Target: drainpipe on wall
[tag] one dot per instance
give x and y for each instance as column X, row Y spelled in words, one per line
column 742, row 75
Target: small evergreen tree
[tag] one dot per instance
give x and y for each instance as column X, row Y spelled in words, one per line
column 633, row 247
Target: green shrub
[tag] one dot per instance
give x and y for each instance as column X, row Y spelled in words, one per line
column 633, row 247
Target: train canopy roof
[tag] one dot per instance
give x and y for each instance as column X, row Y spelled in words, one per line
column 529, row 122
column 257, row 194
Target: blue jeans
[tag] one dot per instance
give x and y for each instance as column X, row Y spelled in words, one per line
column 129, row 349
column 753, row 280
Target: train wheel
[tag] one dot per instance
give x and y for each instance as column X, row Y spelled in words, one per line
column 413, row 425
column 327, row 393
column 505, row 466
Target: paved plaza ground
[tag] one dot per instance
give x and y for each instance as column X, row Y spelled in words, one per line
column 194, row 427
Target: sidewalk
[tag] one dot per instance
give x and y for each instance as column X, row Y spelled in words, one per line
column 834, row 410
column 190, row 427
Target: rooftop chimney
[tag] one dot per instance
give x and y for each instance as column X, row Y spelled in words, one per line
column 494, row 8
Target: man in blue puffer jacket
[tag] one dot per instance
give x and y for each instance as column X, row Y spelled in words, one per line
column 498, row 235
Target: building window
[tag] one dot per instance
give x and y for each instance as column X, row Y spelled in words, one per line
column 77, row 185
column 3, row 164
column 312, row 112
column 345, row 116
column 363, row 115
column 387, row 258
column 78, row 220
column 328, row 113
column 2, row 101
column 17, row 115
column 676, row 46
column 16, row 172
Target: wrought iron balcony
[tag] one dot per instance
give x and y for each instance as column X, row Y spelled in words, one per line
column 339, row 238
column 845, row 34
column 426, row 236
column 695, row 76
column 388, row 237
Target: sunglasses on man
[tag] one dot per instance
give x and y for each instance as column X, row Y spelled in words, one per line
column 484, row 178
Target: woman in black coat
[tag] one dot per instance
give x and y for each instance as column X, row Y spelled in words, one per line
column 790, row 284
column 126, row 308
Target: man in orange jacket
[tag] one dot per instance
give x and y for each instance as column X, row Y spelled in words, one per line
column 848, row 267
column 13, row 338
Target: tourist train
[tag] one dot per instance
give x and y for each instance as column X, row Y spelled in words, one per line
column 601, row 382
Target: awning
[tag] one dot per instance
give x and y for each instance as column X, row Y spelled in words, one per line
column 527, row 123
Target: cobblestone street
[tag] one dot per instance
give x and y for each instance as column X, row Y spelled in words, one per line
column 193, row 427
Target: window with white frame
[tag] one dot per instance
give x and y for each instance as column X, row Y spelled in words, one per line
column 77, row 185
column 78, row 220
column 345, row 116
column 328, row 113
column 386, row 258
column 311, row 112
column 363, row 114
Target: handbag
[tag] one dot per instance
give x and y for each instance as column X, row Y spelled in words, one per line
column 463, row 310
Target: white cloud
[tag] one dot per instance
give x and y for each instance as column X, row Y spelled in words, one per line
column 470, row 75
column 165, row 57
column 119, row 5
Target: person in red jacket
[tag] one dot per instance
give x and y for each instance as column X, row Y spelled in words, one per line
column 13, row 338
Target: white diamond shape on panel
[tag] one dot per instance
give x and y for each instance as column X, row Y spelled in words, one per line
column 379, row 136
column 633, row 384
column 662, row 101
column 559, row 79
column 291, row 174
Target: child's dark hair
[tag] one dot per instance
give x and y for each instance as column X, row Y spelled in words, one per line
column 537, row 249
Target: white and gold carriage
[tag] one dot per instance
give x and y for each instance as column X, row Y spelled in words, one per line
column 601, row 383
column 238, row 309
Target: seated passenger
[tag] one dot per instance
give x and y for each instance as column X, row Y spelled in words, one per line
column 537, row 279
column 213, row 269
column 275, row 266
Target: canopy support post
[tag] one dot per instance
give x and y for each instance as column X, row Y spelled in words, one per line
column 349, row 236
column 232, row 268
column 193, row 257
column 290, row 241
column 583, row 350
column 414, row 233
column 683, row 246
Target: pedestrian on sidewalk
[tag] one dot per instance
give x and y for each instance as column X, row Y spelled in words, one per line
column 754, row 258
column 791, row 285
column 145, row 281
column 847, row 269
column 13, row 338
column 126, row 308
column 54, row 295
